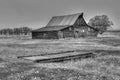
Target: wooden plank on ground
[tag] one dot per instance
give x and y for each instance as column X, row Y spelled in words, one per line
column 59, row 57
column 65, row 58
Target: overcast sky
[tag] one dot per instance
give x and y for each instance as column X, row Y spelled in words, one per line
column 37, row 13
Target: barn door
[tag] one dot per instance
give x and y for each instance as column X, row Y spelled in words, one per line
column 76, row 34
column 60, row 34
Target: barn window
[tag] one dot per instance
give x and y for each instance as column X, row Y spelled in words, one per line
column 83, row 30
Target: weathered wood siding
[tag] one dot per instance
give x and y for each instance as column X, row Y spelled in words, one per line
column 81, row 29
column 68, row 32
column 45, row 35
column 36, row 35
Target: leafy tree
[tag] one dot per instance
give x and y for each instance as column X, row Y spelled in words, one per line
column 101, row 23
column 16, row 31
column 26, row 30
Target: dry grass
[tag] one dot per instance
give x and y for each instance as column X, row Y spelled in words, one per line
column 102, row 68
column 15, row 47
column 105, row 67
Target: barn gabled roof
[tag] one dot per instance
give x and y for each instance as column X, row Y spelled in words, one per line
column 64, row 20
column 60, row 22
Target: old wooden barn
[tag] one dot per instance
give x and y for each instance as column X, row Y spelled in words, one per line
column 65, row 26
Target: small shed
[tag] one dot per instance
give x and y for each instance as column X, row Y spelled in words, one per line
column 66, row 26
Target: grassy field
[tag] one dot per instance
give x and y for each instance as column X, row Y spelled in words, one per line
column 106, row 66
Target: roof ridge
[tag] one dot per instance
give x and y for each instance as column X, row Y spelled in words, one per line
column 59, row 25
column 68, row 14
